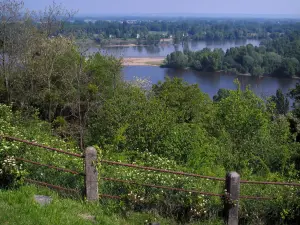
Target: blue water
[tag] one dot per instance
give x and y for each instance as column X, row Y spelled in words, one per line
column 210, row 83
column 164, row 49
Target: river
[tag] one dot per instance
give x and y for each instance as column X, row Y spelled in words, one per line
column 164, row 49
column 210, row 83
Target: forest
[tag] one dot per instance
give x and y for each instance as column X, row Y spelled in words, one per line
column 181, row 29
column 278, row 57
column 52, row 94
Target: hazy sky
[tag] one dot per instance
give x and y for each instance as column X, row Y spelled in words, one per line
column 175, row 6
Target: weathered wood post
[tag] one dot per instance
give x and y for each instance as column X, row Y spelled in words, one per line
column 91, row 174
column 231, row 206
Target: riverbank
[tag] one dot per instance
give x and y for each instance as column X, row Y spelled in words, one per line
column 233, row 73
column 143, row 61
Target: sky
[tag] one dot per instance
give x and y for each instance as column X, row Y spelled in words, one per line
column 98, row 7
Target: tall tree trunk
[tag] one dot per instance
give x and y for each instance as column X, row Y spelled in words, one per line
column 4, row 64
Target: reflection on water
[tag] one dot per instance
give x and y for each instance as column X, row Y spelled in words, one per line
column 164, row 49
column 210, row 83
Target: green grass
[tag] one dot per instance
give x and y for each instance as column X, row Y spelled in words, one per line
column 19, row 208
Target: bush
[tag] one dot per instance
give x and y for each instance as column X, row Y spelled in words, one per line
column 32, row 129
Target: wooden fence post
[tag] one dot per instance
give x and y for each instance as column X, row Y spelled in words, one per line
column 231, row 204
column 91, row 174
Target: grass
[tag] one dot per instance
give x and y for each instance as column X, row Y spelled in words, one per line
column 18, row 207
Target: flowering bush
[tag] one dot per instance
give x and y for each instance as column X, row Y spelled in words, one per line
column 143, row 83
column 185, row 206
column 13, row 172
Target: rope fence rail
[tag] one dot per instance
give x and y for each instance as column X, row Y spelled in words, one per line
column 143, row 167
column 159, row 186
column 196, row 175
column 270, row 183
column 40, row 183
column 50, row 185
column 232, row 181
column 49, row 166
column 162, row 170
column 41, row 146
column 180, row 189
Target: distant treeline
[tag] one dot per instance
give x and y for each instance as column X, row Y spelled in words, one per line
column 180, row 30
column 279, row 57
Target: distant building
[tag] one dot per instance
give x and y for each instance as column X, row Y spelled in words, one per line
column 131, row 21
column 90, row 21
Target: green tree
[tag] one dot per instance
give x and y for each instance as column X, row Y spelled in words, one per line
column 289, row 67
column 295, row 95
column 281, row 102
column 176, row 60
column 187, row 102
column 248, row 63
column 258, row 71
column 244, row 128
column 222, row 93
column 272, row 62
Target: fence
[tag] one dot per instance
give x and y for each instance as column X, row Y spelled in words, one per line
column 232, row 180
column 45, row 165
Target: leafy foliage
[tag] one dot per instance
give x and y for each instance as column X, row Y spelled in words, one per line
column 50, row 93
column 12, row 171
column 181, row 30
column 257, row 61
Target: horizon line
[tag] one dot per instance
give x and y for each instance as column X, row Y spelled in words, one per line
column 192, row 14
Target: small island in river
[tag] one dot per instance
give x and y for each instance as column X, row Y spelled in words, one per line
column 244, row 60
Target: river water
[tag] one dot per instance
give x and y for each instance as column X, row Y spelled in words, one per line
column 164, row 49
column 210, row 83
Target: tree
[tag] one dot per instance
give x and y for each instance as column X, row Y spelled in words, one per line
column 257, row 71
column 52, row 19
column 222, row 94
column 281, row 102
column 248, row 63
column 295, row 95
column 272, row 62
column 187, row 101
column 253, row 140
column 289, row 67
column 36, row 60
column 176, row 60
column 11, row 41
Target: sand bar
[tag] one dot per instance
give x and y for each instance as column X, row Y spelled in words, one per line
column 143, row 61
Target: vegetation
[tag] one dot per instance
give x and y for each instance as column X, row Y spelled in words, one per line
column 51, row 94
column 180, row 29
column 60, row 211
column 278, row 57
